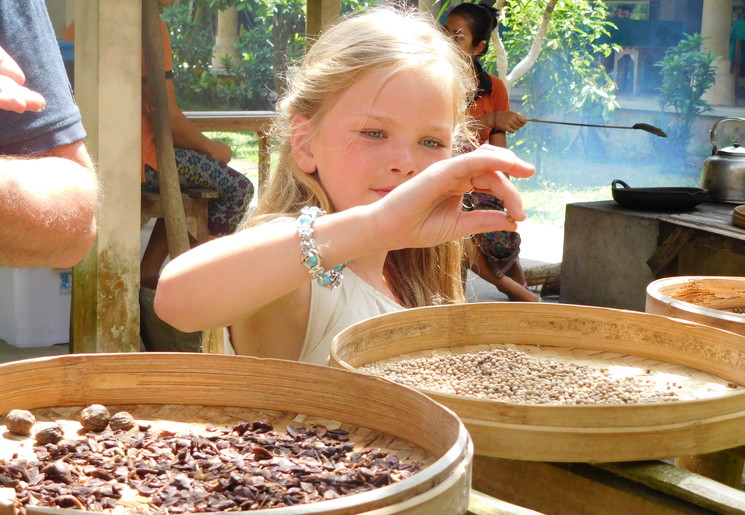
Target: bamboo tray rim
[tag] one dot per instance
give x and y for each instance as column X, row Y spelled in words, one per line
column 691, row 307
column 570, row 432
column 459, row 450
column 478, row 401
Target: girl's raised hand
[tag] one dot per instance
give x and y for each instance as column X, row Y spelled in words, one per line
column 427, row 210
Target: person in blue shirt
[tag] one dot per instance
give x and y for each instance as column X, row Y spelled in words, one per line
column 48, row 186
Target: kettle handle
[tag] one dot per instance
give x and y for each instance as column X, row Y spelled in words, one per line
column 712, row 134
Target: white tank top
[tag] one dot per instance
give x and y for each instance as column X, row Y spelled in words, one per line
column 332, row 311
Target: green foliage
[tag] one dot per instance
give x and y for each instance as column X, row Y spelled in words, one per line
column 687, row 72
column 568, row 76
column 272, row 32
column 191, row 45
column 272, row 35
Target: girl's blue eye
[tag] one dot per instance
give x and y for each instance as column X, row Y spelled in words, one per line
column 432, row 143
column 373, row 133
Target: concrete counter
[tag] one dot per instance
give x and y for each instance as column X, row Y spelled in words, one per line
column 612, row 253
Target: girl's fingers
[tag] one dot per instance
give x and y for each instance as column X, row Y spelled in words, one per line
column 500, row 186
column 487, row 220
column 502, row 160
column 428, row 209
column 479, row 170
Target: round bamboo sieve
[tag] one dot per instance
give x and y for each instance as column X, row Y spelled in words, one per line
column 715, row 301
column 186, row 389
column 704, row 358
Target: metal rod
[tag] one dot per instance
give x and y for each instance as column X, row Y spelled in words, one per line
column 639, row 126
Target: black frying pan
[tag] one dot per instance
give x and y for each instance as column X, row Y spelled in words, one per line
column 657, row 199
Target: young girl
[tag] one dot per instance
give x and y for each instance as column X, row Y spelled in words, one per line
column 367, row 130
column 493, row 256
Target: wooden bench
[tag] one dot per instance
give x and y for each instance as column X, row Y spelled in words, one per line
column 257, row 122
column 196, row 203
column 546, row 278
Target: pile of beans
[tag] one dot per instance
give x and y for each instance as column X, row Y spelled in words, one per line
column 248, row 466
column 512, row 376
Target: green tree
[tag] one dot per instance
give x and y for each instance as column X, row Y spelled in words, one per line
column 272, row 35
column 567, row 76
column 687, row 72
column 192, row 39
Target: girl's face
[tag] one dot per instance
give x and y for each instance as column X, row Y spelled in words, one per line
column 377, row 135
column 459, row 31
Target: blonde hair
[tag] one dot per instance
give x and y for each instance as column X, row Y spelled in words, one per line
column 373, row 40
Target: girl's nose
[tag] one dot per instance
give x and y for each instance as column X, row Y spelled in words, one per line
column 402, row 160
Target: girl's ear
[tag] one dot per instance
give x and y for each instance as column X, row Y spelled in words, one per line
column 300, row 144
column 478, row 48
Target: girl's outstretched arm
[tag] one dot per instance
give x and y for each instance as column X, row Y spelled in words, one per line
column 228, row 279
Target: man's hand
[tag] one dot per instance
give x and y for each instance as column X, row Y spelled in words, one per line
column 13, row 95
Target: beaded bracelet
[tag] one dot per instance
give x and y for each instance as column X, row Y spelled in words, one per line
column 328, row 279
column 494, row 129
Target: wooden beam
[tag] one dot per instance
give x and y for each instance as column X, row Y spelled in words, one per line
column 668, row 250
column 319, row 14
column 105, row 307
column 429, row 6
column 168, row 181
column 723, row 467
column 633, row 487
column 482, row 504
column 682, row 484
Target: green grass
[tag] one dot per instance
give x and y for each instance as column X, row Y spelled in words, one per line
column 245, row 145
column 548, row 208
column 566, row 179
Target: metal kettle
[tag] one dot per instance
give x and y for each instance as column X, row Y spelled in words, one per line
column 724, row 170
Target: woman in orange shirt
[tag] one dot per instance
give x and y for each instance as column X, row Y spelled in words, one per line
column 494, row 255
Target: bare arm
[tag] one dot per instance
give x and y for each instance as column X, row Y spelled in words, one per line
column 498, row 139
column 185, row 134
column 231, row 278
column 47, row 207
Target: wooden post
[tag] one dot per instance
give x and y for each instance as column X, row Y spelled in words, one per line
column 170, row 191
column 226, row 38
column 319, row 14
column 428, row 6
column 105, row 308
column 715, row 28
column 724, row 467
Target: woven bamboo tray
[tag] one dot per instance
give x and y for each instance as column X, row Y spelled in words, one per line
column 184, row 391
column 715, row 301
column 705, row 359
